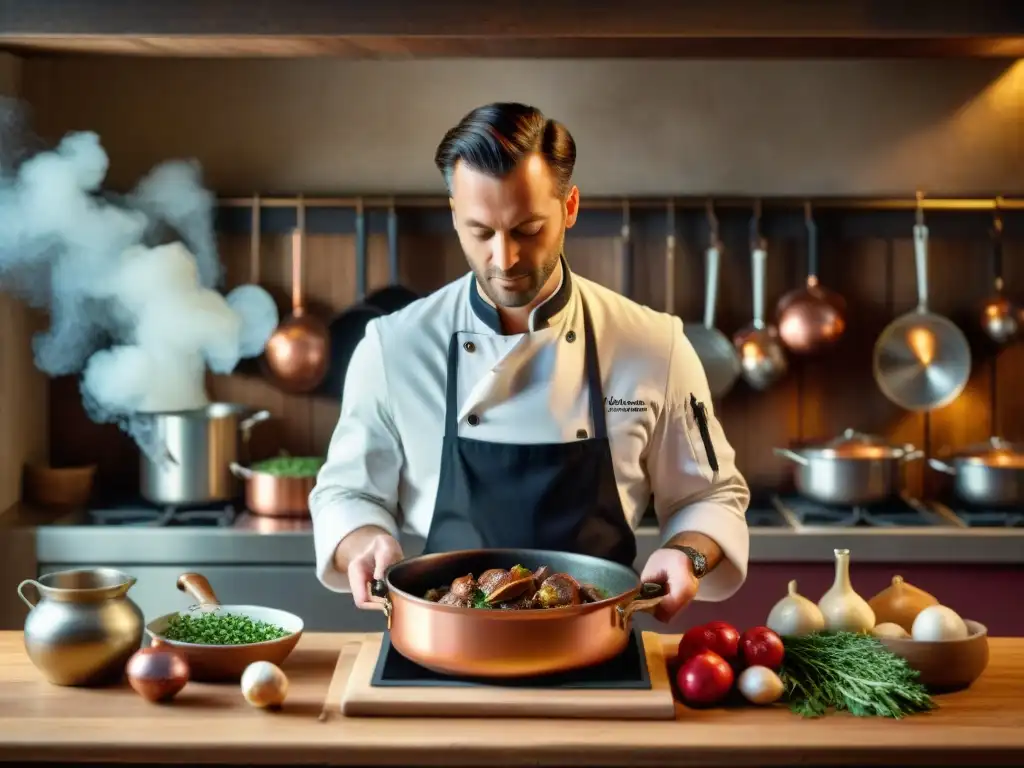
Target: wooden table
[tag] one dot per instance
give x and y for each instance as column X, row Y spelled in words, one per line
column 213, row 724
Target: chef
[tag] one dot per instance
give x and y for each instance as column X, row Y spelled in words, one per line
column 523, row 405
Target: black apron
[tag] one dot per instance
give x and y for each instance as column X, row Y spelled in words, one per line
column 554, row 496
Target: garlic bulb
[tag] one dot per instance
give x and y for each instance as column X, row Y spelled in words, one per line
column 899, row 603
column 795, row 615
column 264, row 684
column 842, row 608
column 760, row 685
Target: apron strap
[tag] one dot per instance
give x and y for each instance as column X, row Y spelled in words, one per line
column 593, row 375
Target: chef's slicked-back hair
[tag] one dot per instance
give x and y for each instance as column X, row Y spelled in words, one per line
column 494, row 138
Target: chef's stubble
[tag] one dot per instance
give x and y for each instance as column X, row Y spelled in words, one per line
column 538, row 278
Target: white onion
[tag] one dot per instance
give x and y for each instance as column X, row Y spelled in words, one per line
column 264, row 684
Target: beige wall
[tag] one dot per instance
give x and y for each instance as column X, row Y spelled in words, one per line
column 23, row 391
column 760, row 127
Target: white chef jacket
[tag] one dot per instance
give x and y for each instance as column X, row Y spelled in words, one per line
column 384, row 459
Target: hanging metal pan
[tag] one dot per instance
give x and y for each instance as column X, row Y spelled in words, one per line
column 922, row 361
column 395, row 296
column 349, row 327
column 715, row 350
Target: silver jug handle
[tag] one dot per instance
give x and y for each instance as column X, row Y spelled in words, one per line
column 247, row 424
column 242, row 473
column 21, row 592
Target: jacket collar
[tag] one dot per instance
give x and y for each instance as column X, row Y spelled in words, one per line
column 542, row 314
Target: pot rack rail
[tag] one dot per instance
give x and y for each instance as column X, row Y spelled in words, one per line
column 920, row 203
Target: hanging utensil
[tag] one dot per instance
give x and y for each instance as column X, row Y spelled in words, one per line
column 298, row 352
column 715, row 350
column 394, row 296
column 999, row 315
column 811, row 318
column 922, row 360
column 626, row 253
column 256, row 366
column 762, row 357
column 348, row 328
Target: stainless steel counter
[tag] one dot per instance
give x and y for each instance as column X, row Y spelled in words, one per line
column 257, row 561
column 254, row 541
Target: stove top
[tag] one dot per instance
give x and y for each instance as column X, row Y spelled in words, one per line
column 136, row 512
column 900, row 512
column 971, row 516
column 765, row 516
column 628, row 670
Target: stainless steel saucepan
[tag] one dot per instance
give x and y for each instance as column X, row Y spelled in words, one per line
column 194, row 451
column 986, row 475
column 852, row 469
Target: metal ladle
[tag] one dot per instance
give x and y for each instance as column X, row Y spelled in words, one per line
column 999, row 315
column 762, row 357
column 298, row 352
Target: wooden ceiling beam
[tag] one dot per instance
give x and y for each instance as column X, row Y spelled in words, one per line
column 529, row 28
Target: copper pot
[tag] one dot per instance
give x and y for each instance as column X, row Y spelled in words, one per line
column 273, row 495
column 509, row 643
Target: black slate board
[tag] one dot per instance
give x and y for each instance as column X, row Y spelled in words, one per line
column 626, row 671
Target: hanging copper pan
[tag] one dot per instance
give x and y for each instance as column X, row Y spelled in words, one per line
column 811, row 318
column 298, row 352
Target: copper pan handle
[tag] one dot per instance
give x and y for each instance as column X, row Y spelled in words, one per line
column 198, row 587
column 379, row 600
column 650, row 597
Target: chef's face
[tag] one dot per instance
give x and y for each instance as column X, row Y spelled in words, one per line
column 512, row 229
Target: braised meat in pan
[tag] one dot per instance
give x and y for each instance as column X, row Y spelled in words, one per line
column 518, row 588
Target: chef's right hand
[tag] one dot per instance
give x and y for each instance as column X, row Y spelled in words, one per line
column 379, row 552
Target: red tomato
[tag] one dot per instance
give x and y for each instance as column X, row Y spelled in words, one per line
column 706, row 678
column 717, row 636
column 762, row 647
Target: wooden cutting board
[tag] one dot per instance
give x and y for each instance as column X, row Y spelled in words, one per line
column 362, row 699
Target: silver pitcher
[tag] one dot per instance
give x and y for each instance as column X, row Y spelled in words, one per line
column 83, row 627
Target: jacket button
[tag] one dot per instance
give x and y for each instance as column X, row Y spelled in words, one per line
column 570, row 336
column 469, row 346
column 473, row 419
column 581, row 433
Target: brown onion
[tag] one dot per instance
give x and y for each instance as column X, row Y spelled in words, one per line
column 157, row 673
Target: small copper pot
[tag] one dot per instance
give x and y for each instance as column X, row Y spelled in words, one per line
column 509, row 643
column 273, row 495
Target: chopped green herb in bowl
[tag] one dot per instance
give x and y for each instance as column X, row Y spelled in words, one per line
column 219, row 628
column 290, row 466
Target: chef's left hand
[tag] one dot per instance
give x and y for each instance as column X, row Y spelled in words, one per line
column 673, row 569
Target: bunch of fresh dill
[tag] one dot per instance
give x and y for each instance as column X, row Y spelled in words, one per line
column 849, row 671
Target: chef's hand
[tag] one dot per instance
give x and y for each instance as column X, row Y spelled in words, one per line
column 673, row 569
column 369, row 563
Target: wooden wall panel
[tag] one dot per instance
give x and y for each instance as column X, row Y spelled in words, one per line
column 868, row 258
column 23, row 390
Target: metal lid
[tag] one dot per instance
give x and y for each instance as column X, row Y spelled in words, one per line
column 858, row 445
column 996, row 453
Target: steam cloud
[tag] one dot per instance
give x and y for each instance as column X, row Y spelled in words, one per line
column 129, row 282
